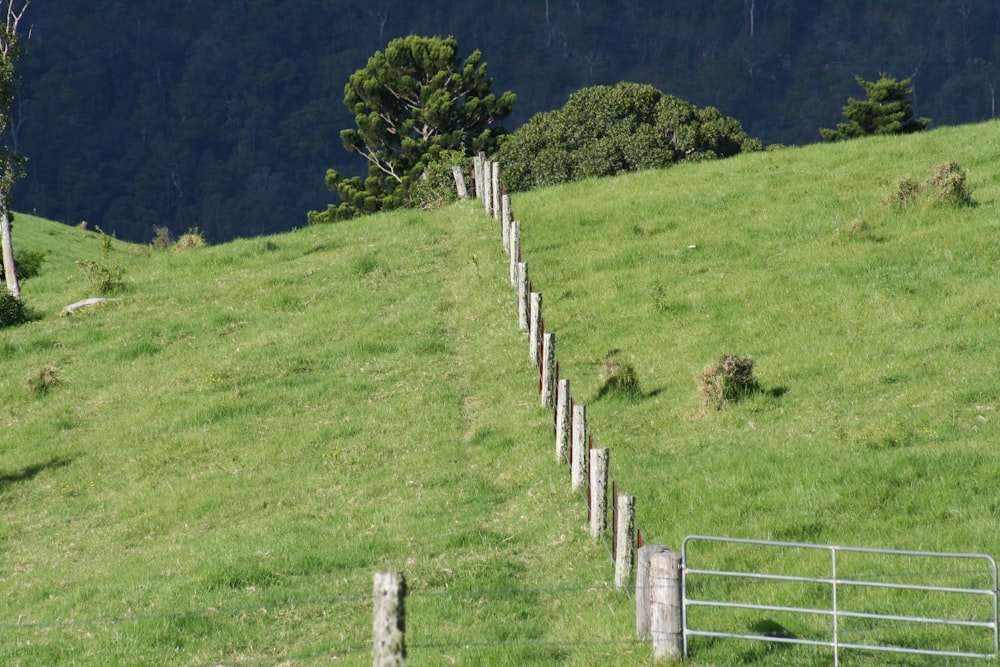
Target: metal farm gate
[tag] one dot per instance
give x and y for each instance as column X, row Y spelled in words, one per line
column 913, row 602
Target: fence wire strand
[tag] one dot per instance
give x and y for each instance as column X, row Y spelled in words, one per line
column 207, row 611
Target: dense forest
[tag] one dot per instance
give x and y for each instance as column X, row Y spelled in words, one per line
column 225, row 115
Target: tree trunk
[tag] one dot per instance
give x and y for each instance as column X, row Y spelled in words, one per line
column 9, row 272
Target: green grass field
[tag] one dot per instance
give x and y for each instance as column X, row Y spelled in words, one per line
column 231, row 451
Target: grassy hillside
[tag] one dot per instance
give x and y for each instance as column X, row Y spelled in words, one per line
column 876, row 349
column 255, row 428
column 275, row 420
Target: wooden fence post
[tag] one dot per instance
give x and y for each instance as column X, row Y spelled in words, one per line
column 515, row 249
column 578, row 457
column 495, row 174
column 487, row 187
column 456, row 171
column 389, row 626
column 665, row 609
column 523, row 307
column 643, row 594
column 535, row 328
column 598, row 491
column 479, row 168
column 563, row 417
column 548, row 370
column 505, row 222
column 625, row 541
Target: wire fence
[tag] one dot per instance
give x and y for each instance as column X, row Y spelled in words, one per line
column 443, row 625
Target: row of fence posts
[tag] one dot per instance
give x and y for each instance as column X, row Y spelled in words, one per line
column 658, row 570
column 588, row 466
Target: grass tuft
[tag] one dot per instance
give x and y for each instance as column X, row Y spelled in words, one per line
column 724, row 382
column 42, row 381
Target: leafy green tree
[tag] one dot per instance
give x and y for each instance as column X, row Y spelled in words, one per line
column 10, row 164
column 411, row 102
column 886, row 111
column 605, row 130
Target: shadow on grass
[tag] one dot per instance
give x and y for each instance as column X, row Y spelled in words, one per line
column 775, row 392
column 30, row 472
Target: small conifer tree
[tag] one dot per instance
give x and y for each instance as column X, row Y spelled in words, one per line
column 886, row 111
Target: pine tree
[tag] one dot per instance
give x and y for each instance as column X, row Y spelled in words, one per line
column 886, row 111
column 410, row 103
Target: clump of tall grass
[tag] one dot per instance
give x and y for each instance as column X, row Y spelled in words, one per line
column 190, row 240
column 854, row 230
column 946, row 187
column 726, row 381
column 40, row 382
column 618, row 378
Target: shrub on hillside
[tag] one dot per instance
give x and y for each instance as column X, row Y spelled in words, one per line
column 101, row 277
column 946, row 187
column 27, row 263
column 190, row 240
column 726, row 381
column 606, row 130
column 12, row 311
column 436, row 187
column 162, row 238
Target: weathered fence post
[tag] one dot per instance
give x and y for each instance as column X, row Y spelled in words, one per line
column 598, row 491
column 535, row 328
column 523, row 306
column 456, row 171
column 548, row 370
column 495, row 174
column 478, row 166
column 643, row 594
column 578, row 457
column 505, row 222
column 487, row 185
column 389, row 626
column 515, row 249
column 665, row 609
column 563, row 417
column 625, row 541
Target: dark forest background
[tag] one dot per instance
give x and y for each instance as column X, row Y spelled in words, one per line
column 225, row 114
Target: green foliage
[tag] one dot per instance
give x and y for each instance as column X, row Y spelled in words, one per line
column 101, row 277
column 606, row 130
column 411, row 102
column 886, row 111
column 162, row 238
column 436, row 186
column 12, row 311
column 28, row 263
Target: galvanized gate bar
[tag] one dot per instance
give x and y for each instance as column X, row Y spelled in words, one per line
column 834, row 611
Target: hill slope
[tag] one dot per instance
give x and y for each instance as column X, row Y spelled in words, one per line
column 876, row 348
column 275, row 419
